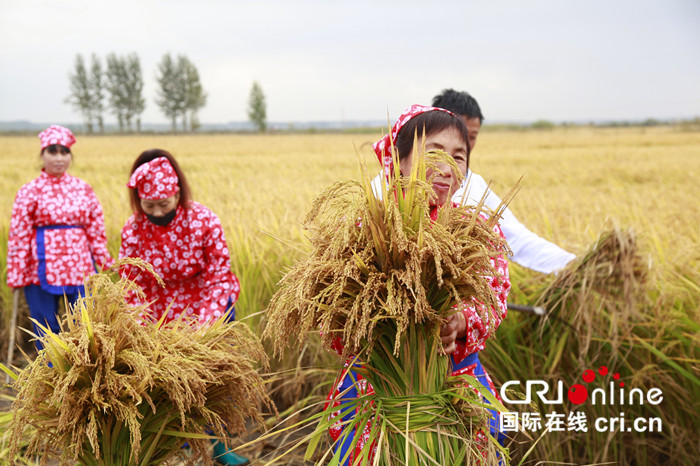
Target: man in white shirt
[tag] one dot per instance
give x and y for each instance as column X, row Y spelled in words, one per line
column 529, row 250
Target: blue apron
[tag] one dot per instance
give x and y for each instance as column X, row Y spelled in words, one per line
column 41, row 256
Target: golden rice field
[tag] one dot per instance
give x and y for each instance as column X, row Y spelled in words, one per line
column 576, row 183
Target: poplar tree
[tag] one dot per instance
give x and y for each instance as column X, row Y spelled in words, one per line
column 125, row 86
column 171, row 89
column 257, row 108
column 80, row 92
column 195, row 97
column 97, row 92
column 180, row 91
column 136, row 103
column 118, row 98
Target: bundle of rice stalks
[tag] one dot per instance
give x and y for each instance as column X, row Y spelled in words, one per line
column 114, row 389
column 601, row 313
column 381, row 279
column 600, row 293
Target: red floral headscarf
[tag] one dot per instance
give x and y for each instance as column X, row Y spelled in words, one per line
column 155, row 180
column 383, row 147
column 56, row 134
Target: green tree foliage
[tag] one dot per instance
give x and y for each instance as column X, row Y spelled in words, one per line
column 116, row 76
column 180, row 91
column 97, row 91
column 171, row 89
column 80, row 92
column 195, row 97
column 136, row 102
column 125, row 86
column 257, row 108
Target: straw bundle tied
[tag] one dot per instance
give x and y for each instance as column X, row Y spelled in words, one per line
column 381, row 278
column 600, row 294
column 607, row 308
column 121, row 391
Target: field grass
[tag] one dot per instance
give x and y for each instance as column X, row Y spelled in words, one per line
column 577, row 182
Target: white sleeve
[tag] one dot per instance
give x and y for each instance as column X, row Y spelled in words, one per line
column 377, row 185
column 529, row 250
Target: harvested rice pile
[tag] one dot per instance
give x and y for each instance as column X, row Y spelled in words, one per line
column 381, row 278
column 601, row 293
column 121, row 391
column 606, row 308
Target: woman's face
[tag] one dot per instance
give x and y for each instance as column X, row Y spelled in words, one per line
column 445, row 184
column 160, row 207
column 56, row 163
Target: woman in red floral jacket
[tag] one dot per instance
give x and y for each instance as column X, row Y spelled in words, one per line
column 57, row 233
column 183, row 241
column 465, row 332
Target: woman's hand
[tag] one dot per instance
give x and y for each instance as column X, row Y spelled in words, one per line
column 455, row 326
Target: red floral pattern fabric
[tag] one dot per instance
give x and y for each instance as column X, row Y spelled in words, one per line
column 56, row 134
column 51, row 200
column 190, row 255
column 155, row 180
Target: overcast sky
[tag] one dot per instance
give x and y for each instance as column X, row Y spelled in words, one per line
column 356, row 60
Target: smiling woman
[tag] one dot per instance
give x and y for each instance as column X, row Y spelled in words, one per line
column 463, row 333
column 437, row 131
column 56, row 159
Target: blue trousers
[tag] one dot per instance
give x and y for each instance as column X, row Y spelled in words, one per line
column 43, row 307
column 232, row 314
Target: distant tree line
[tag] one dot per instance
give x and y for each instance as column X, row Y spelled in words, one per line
column 180, row 93
column 120, row 83
column 118, row 87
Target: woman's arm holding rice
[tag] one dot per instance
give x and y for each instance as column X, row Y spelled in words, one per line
column 466, row 331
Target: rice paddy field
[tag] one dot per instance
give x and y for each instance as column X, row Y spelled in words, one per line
column 576, row 184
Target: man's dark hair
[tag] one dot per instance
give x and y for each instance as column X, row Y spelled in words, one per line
column 459, row 103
